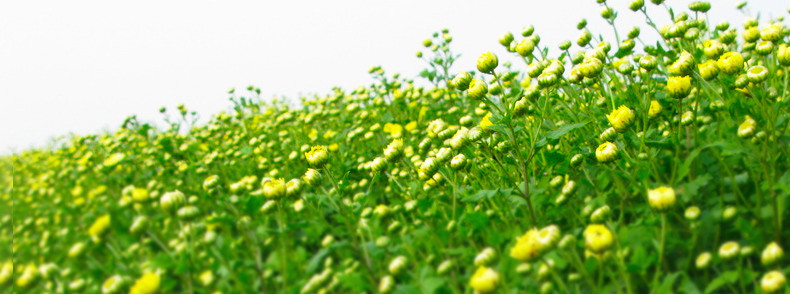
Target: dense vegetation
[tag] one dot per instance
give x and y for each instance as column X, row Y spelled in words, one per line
column 614, row 166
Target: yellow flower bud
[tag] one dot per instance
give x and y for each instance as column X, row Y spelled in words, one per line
column 397, row 264
column 679, row 87
column 147, row 284
column 703, row 260
column 477, row 89
column 621, row 118
column 484, row 280
column 773, row 281
column 783, row 55
column 655, row 108
column 729, row 250
column 730, row 62
column 317, row 157
column 708, row 70
column 606, row 152
column 746, row 129
column 487, row 62
column 525, row 47
column 527, row 247
column 112, row 284
column 99, row 227
column 274, row 188
column 771, row 254
column 661, row 198
column 598, row 238
column 757, row 73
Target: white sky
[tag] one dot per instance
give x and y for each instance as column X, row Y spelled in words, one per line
column 83, row 66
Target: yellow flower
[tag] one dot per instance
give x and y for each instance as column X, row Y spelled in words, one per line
column 621, row 118
column 318, row 156
column 655, row 108
column 484, row 280
column 606, row 152
column 99, row 226
column 679, row 87
column 773, row 281
column 746, row 129
column 597, row 238
column 147, row 284
column 486, row 122
column 394, row 130
column 139, row 194
column 274, row 188
column 114, row 159
column 206, row 278
column 730, row 62
column 661, row 198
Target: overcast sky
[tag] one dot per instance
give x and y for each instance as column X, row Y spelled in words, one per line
column 83, row 66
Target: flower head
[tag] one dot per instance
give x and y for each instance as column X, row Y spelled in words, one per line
column 484, row 280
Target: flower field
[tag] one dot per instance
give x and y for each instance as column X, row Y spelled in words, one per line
column 608, row 166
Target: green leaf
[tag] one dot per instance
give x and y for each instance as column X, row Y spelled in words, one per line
column 312, row 266
column 429, row 285
column 722, row 280
column 561, row 131
column 479, row 195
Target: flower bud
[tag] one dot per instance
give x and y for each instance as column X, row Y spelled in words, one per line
column 506, row 39
column 317, row 157
column 444, row 267
column 601, row 214
column 757, row 74
column 312, row 177
column 138, row 225
column 397, row 264
column 729, row 250
column 487, row 62
column 598, row 238
column 661, row 198
column 171, row 201
column 608, row 135
column 386, row 284
column 747, row 127
column 477, row 89
column 485, row 257
column 274, row 188
column 679, row 87
column 773, row 281
column 703, row 260
column 484, row 280
column 636, row 5
column 606, row 152
column 461, row 81
column 621, row 118
column 730, row 62
column 708, row 70
column 692, row 213
column 771, row 254
column 700, row 6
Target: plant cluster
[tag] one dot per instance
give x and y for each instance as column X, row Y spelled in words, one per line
column 611, row 167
